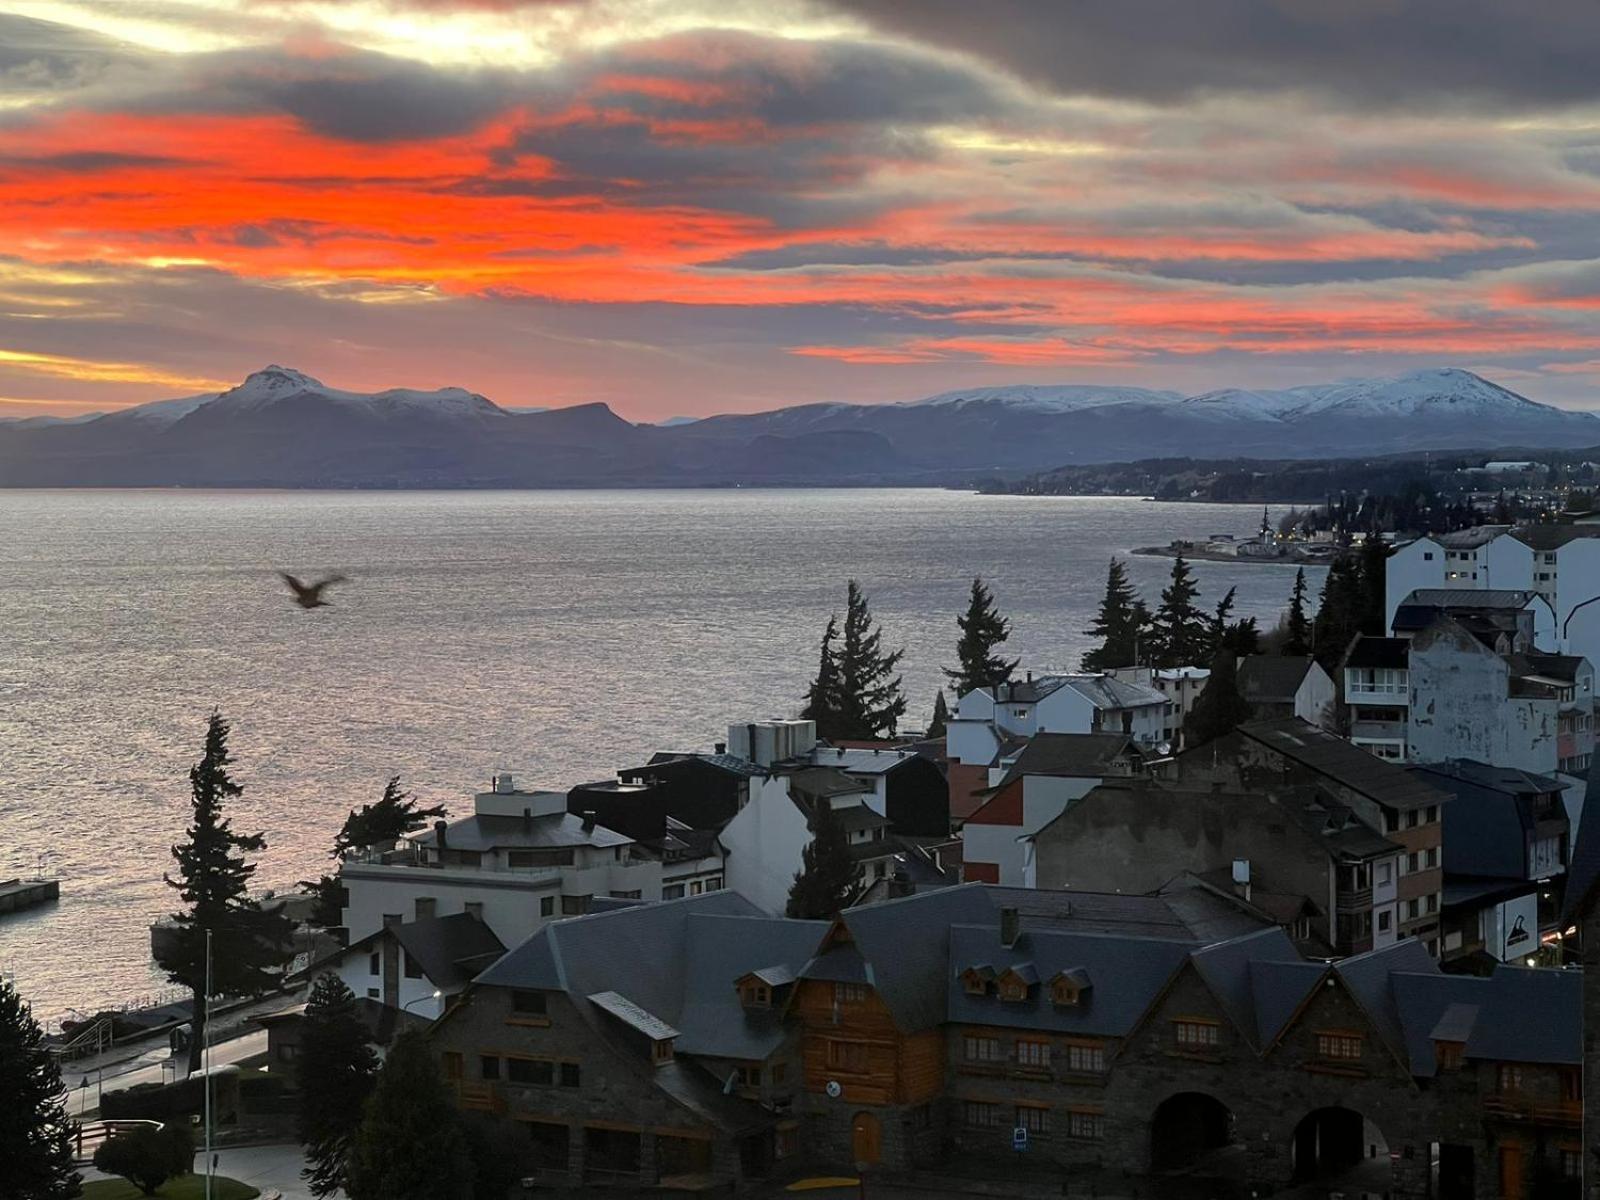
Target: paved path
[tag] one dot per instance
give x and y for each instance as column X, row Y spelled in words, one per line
column 148, row 1069
column 266, row 1168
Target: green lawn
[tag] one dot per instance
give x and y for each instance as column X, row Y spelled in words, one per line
column 190, row 1187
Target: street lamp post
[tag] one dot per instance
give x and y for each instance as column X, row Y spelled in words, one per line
column 434, row 995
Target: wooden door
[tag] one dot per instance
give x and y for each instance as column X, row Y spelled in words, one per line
column 866, row 1140
column 1511, row 1172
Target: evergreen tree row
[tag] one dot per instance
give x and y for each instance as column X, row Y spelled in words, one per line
column 1179, row 633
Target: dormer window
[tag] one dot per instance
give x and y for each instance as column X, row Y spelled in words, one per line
column 1067, row 988
column 1015, row 982
column 661, row 1051
column 1449, row 1055
column 755, row 994
column 975, row 980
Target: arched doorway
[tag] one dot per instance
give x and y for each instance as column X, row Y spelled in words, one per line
column 1334, row 1141
column 866, row 1142
column 1186, row 1128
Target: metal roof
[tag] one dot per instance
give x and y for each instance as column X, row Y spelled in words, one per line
column 480, row 833
column 631, row 1015
column 1272, row 678
column 1084, row 755
column 1344, row 763
column 1552, row 537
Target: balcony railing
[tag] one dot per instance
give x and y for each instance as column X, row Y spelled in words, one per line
column 1511, row 1107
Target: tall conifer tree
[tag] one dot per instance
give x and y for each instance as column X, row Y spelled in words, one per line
column 1374, row 570
column 1297, row 625
column 982, row 629
column 1338, row 615
column 871, row 702
column 1180, row 631
column 941, row 716
column 1219, row 707
column 822, row 697
column 213, row 880
column 335, row 1073
column 1118, row 624
column 35, row 1155
column 412, row 1143
column 827, row 876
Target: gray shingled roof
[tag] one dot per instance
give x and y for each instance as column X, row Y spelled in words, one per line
column 1190, row 914
column 1343, row 763
column 450, row 950
column 1369, row 975
column 1552, row 537
column 1125, row 973
column 1505, row 1033
column 1470, row 598
column 1272, row 678
column 1583, row 865
column 902, row 944
column 1226, row 970
column 1082, row 755
column 722, row 950
column 1380, row 652
column 1277, row 989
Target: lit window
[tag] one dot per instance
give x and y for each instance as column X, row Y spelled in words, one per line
column 1033, row 1054
column 1339, row 1045
column 1195, row 1035
column 1508, row 1078
column 849, row 993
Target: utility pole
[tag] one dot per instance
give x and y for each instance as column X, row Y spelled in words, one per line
column 205, row 1051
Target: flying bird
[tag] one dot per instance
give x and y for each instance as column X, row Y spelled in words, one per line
column 309, row 595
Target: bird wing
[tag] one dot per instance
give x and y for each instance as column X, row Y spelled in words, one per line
column 328, row 582
column 300, row 589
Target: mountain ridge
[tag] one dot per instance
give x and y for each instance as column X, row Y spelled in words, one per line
column 282, row 427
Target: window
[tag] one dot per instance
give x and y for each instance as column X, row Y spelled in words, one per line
column 786, row 1142
column 974, row 982
column 749, row 1075
column 1508, row 1077
column 1572, row 1164
column 982, row 1049
column 1385, row 920
column 547, row 906
column 1448, row 1055
column 1033, row 1054
column 1432, row 814
column 288, row 1051
column 1571, row 1087
column 452, row 1062
column 569, row 1074
column 1391, row 821
column 1034, row 1120
column 1086, row 1059
column 529, row 1004
column 661, row 1051
column 1427, row 556
column 1432, row 904
column 1339, row 1045
column 696, row 887
column 426, row 907
column 980, row 1114
column 525, row 859
column 574, row 906
column 1413, row 909
column 672, row 891
column 847, row 1056
column 1385, row 873
column 1195, row 1035
column 755, row 994
column 538, row 1072
column 413, row 968
column 374, row 963
column 488, row 1066
column 849, row 993
column 1011, row 987
column 714, row 883
column 1084, row 1125
column 1064, row 992
column 373, row 993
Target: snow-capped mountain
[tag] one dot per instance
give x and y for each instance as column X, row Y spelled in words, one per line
column 283, row 427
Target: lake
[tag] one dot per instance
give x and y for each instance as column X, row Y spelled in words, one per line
column 559, row 635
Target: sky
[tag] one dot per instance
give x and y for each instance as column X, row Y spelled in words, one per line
column 687, row 207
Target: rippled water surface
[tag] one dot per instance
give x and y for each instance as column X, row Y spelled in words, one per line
column 558, row 634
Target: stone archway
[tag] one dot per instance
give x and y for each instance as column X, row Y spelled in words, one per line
column 1186, row 1128
column 1334, row 1141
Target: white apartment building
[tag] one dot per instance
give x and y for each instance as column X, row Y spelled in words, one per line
column 520, row 860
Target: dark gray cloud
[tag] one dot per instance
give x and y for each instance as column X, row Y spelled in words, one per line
column 1366, row 52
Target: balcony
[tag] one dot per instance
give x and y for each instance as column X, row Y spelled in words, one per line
column 1378, row 731
column 1392, row 694
column 1511, row 1107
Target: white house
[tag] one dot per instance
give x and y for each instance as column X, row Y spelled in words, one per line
column 1523, row 616
column 1278, row 686
column 1180, row 685
column 1052, row 771
column 416, row 966
column 520, row 860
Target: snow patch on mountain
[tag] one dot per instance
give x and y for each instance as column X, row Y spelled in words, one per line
column 1058, row 398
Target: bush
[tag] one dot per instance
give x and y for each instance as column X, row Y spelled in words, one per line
column 171, row 1101
column 147, row 1157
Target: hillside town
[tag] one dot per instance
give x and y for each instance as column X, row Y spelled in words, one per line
column 1302, row 908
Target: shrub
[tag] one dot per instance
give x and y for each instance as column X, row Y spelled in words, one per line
column 147, row 1156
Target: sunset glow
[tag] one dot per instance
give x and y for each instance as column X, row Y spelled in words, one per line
column 680, row 208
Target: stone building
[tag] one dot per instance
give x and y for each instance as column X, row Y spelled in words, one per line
column 698, row 1043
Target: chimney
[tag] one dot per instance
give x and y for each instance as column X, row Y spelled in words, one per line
column 1030, row 676
column 588, row 820
column 1010, row 927
column 720, row 747
column 1241, row 878
column 439, row 828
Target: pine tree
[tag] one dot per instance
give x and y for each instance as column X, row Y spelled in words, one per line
column 1297, row 643
column 411, row 1144
column 213, row 880
column 827, row 876
column 35, row 1157
column 870, row 700
column 1338, row 615
column 982, row 629
column 822, row 697
column 1219, row 620
column 335, row 1073
column 1118, row 624
column 1180, row 631
column 383, row 823
column 1219, row 707
column 1374, row 570
column 940, row 718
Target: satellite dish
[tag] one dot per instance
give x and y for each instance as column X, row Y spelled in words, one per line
column 833, row 1089
column 1164, row 749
